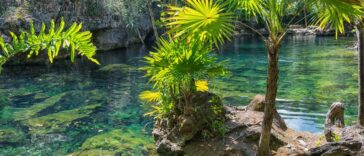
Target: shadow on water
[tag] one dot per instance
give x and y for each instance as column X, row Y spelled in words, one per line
column 83, row 108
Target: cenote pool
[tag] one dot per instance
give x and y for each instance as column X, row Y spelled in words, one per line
column 85, row 109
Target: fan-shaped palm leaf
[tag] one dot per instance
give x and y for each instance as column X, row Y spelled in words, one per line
column 336, row 12
column 201, row 19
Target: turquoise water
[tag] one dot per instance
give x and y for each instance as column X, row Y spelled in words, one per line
column 85, row 109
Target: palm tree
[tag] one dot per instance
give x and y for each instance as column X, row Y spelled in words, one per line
column 183, row 62
column 273, row 14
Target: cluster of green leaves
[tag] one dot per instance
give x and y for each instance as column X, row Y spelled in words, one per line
column 336, row 12
column 279, row 14
column 201, row 20
column 183, row 61
column 73, row 39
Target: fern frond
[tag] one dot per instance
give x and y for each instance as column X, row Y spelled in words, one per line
column 149, row 96
column 73, row 39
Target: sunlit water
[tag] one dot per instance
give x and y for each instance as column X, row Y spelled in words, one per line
column 85, row 109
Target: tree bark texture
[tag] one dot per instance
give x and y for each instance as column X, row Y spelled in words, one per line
column 360, row 36
column 270, row 98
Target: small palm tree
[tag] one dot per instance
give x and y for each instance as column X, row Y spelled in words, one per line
column 183, row 62
column 72, row 39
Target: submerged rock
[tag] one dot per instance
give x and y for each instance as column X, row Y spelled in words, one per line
column 12, row 136
column 57, row 122
column 117, row 142
column 117, row 68
column 4, row 101
column 26, row 113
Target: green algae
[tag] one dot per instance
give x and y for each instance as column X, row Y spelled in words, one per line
column 130, row 141
column 32, row 111
column 4, row 101
column 6, row 114
column 117, row 68
column 94, row 152
column 58, row 122
column 11, row 135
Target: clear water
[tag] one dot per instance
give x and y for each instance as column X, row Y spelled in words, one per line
column 85, row 109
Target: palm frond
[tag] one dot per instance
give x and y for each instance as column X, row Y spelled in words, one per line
column 336, row 13
column 201, row 19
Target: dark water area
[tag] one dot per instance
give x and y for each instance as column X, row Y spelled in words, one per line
column 85, row 109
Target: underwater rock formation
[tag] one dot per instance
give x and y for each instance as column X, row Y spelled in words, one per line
column 11, row 135
column 117, row 142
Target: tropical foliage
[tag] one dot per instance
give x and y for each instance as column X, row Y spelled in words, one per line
column 73, row 39
column 276, row 16
column 201, row 20
column 183, row 62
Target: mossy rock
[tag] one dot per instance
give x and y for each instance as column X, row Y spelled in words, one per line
column 58, row 122
column 124, row 142
column 26, row 113
column 117, row 68
column 10, row 135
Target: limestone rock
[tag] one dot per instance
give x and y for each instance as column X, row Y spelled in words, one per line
column 342, row 148
column 258, row 104
column 334, row 119
column 172, row 134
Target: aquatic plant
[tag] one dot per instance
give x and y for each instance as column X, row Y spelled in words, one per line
column 73, row 39
column 27, row 113
column 11, row 135
column 58, row 122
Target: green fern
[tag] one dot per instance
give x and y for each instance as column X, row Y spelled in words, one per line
column 72, row 39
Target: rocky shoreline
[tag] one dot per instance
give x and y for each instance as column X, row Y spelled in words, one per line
column 242, row 132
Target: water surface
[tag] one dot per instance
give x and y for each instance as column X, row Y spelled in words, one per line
column 87, row 109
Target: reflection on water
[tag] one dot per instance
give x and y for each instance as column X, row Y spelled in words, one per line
column 87, row 109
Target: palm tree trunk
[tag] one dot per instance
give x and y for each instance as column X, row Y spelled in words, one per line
column 360, row 36
column 270, row 98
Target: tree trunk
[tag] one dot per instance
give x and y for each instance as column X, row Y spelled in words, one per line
column 151, row 14
column 360, row 35
column 270, row 97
